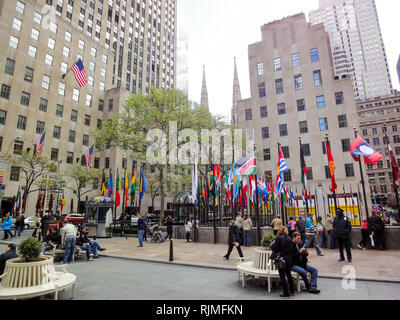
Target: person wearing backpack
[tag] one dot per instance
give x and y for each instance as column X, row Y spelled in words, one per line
column 311, row 238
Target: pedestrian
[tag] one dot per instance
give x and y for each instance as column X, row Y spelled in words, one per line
column 19, row 225
column 282, row 249
column 342, row 228
column 331, row 233
column 321, row 232
column 188, row 230
column 239, row 223
column 301, row 266
column 291, row 226
column 36, row 224
column 247, row 227
column 365, row 235
column 301, row 227
column 234, row 240
column 141, row 229
column 169, row 228
column 6, row 225
column 147, row 221
column 68, row 241
column 311, row 238
column 9, row 254
column 377, row 226
column 276, row 224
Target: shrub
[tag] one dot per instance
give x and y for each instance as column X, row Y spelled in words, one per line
column 30, row 249
column 267, row 240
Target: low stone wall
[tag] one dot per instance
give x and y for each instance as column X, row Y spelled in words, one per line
column 206, row 235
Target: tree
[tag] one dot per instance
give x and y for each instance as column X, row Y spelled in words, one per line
column 80, row 176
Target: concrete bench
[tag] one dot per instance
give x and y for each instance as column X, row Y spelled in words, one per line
column 59, row 253
column 60, row 281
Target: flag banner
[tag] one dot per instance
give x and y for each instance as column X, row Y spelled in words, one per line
column 282, row 167
column 110, row 186
column 126, row 189
column 395, row 166
column 80, row 73
column 143, row 188
column 332, row 167
column 304, row 171
column 40, row 144
column 236, row 181
column 362, row 148
column 133, row 186
column 247, row 165
column 89, row 157
column 260, row 186
column 103, row 185
column 117, row 192
column 194, row 181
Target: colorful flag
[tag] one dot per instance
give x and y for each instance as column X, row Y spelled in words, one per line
column 126, row 189
column 40, row 144
column 89, row 157
column 103, row 185
column 282, row 167
column 110, row 186
column 304, row 172
column 247, row 165
column 80, row 73
column 142, row 188
column 133, row 186
column 236, row 181
column 195, row 181
column 244, row 190
column 117, row 192
column 332, row 167
column 362, row 148
column 260, row 186
column 395, row 166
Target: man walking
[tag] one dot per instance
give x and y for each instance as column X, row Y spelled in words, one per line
column 311, row 232
column 68, row 241
column 6, row 225
column 377, row 226
column 342, row 228
column 234, row 241
column 141, row 229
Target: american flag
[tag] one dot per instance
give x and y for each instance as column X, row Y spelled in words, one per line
column 80, row 74
column 89, row 157
column 40, row 144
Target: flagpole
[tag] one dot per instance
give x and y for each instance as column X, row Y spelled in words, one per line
column 334, row 191
column 304, row 177
column 257, row 208
column 123, row 204
column 323, row 196
column 362, row 179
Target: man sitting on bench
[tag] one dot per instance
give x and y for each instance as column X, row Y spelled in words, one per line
column 51, row 240
column 91, row 246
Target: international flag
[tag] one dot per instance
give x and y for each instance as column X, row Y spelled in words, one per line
column 89, row 157
column 252, row 187
column 126, row 188
column 80, row 73
column 304, row 171
column 282, row 167
column 236, row 181
column 117, row 192
column 227, row 186
column 195, row 181
column 142, row 188
column 261, row 186
column 244, row 190
column 110, row 186
column 362, row 148
column 332, row 167
column 40, row 144
column 247, row 165
column 103, row 185
column 133, row 186
column 395, row 166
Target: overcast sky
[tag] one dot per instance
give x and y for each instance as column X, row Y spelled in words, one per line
column 221, row 29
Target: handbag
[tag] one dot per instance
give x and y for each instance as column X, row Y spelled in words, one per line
column 278, row 260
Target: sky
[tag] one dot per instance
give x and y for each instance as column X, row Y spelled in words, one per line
column 219, row 30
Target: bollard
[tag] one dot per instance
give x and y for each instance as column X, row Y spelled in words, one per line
column 171, row 251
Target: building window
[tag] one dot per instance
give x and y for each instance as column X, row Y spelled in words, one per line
column 72, row 136
column 279, row 86
column 277, row 64
column 10, row 66
column 286, row 153
column 310, row 176
column 14, row 174
column 53, row 27
column 61, row 89
column 18, row 146
column 46, row 82
column 32, row 51
column 261, row 90
column 3, row 116
column 377, row 142
column 99, row 123
column 342, row 121
column 43, row 105
column 68, row 36
column 301, row 105
column 298, row 82
column 349, row 168
column 104, row 58
column 339, row 98
column 92, row 66
column 374, row 131
column 49, row 60
column 81, row 44
column 288, row 176
column 70, row 157
column 296, row 60
column 20, row 7
column 35, row 34
column 21, row 124
column 283, row 131
column 107, row 163
column 321, row 102
column 25, row 98
column 317, row 78
column 5, row 91
column 89, row 100
column 93, row 51
column 260, row 69
column 40, row 125
column 54, row 154
column 110, row 104
column 66, row 52
column 323, row 124
column 57, row 132
column 87, row 120
column 346, row 145
column 314, row 55
column 267, row 154
column 13, row 42
column 265, row 133
column 37, row 18
column 51, row 43
column 96, row 163
column 74, row 115
column 59, row 110
column 396, row 139
column 306, row 149
column 85, row 140
column 28, row 74
column 281, row 109
column 64, row 67
column 75, row 95
column 303, row 127
column 327, row 172
column 263, row 112
column 249, row 115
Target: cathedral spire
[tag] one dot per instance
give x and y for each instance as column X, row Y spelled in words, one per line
column 237, row 96
column 204, row 93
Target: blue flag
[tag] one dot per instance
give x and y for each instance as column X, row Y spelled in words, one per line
column 143, row 188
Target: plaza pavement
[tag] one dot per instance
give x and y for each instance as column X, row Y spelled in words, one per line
column 370, row 265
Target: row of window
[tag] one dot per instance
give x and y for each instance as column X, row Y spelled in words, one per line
column 296, row 61
column 374, row 131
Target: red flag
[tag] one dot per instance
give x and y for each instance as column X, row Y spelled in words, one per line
column 395, row 166
column 332, row 167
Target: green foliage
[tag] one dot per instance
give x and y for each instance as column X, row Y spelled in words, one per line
column 267, row 240
column 79, row 178
column 30, row 249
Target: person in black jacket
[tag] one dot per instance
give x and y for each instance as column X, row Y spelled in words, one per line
column 301, row 227
column 169, row 228
column 377, row 226
column 234, row 240
column 342, row 229
column 283, row 247
column 9, row 254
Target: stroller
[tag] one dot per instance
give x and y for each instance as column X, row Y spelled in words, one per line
column 156, row 235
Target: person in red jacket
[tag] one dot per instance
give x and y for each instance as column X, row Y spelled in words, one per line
column 365, row 235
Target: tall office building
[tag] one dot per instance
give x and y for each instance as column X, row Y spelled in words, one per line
column 204, row 92
column 294, row 93
column 357, row 45
column 398, row 68
column 182, row 63
column 126, row 47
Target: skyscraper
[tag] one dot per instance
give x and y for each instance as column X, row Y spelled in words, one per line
column 125, row 46
column 357, row 45
column 204, row 93
column 237, row 95
column 182, row 64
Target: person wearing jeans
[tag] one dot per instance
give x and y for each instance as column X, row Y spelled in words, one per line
column 6, row 225
column 141, row 229
column 91, row 246
column 311, row 238
column 247, row 226
column 68, row 241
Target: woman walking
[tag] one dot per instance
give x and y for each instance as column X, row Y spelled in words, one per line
column 282, row 249
column 6, row 225
column 234, row 241
column 188, row 229
column 365, row 235
column 247, row 227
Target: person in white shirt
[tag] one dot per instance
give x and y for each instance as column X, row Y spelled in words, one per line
column 188, row 229
column 68, row 241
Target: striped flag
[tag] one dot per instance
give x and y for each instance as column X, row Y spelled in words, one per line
column 247, row 165
column 80, row 73
column 282, row 167
column 40, row 144
column 89, row 157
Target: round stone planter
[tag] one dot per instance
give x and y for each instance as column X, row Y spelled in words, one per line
column 28, row 274
column 261, row 258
